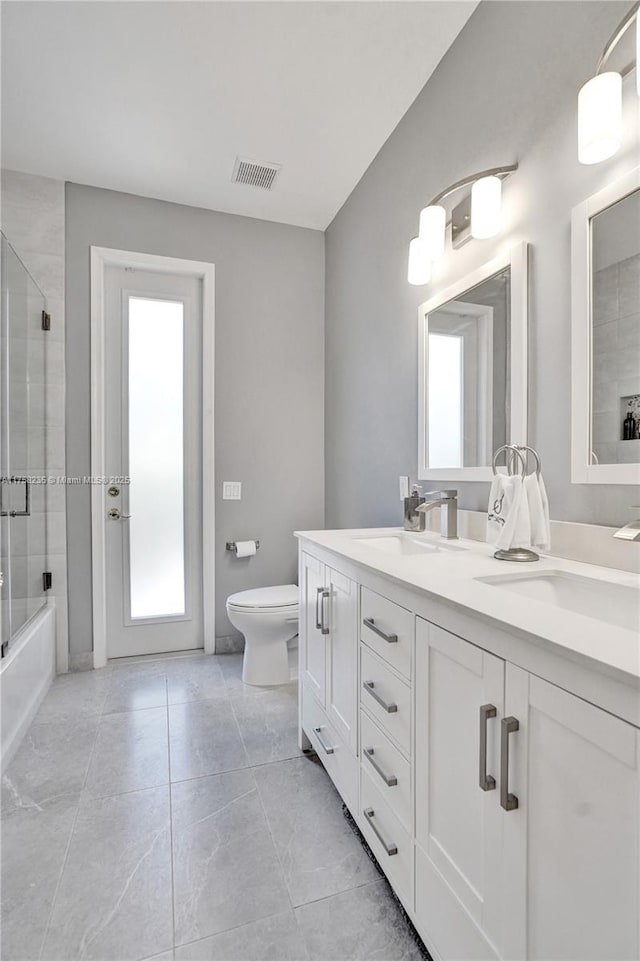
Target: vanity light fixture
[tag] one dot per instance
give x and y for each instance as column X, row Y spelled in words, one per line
column 433, row 223
column 600, row 99
column 419, row 263
column 486, row 207
column 483, row 221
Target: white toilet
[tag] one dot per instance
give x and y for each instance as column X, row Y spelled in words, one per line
column 268, row 618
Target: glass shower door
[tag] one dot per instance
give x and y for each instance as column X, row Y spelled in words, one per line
column 23, row 461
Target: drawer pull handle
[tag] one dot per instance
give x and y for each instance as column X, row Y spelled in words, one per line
column 370, row 687
column 487, row 782
column 319, row 591
column 391, row 849
column 371, row 624
column 389, row 779
column 325, row 747
column 508, row 726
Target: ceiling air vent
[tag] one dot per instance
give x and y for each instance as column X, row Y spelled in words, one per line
column 254, row 174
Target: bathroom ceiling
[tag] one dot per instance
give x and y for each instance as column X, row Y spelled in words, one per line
column 159, row 98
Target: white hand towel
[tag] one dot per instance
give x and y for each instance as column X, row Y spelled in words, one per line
column 538, row 512
column 508, row 522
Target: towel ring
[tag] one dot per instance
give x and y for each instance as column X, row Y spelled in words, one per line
column 530, row 450
column 515, row 452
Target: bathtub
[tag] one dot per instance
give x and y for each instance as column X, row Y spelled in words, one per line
column 25, row 675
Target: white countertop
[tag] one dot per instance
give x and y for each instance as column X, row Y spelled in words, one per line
column 452, row 576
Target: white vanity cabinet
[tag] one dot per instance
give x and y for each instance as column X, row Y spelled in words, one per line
column 328, row 655
column 503, row 806
column 572, row 847
column 459, row 824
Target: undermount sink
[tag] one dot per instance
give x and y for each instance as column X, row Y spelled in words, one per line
column 407, row 544
column 615, row 604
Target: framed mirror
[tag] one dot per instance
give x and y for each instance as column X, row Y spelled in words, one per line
column 605, row 335
column 472, row 377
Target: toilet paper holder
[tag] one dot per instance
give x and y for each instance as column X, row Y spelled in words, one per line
column 232, row 546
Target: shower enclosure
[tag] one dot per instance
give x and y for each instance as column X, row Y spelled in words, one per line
column 24, row 485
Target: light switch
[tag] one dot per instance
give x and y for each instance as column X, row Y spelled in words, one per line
column 231, row 490
column 404, row 487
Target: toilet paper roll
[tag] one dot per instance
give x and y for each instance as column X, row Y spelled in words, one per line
column 245, row 548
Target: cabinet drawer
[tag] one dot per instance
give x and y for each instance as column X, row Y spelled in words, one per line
column 339, row 762
column 387, row 767
column 384, row 834
column 387, row 698
column 387, row 628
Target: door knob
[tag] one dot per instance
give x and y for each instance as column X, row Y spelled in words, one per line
column 115, row 514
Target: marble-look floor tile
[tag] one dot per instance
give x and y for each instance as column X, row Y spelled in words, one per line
column 360, row 925
column 276, row 938
column 136, row 687
column 51, row 762
column 76, row 695
column 114, row 898
column 195, row 679
column 204, row 739
column 33, row 845
column 231, row 666
column 319, row 852
column 268, row 724
column 226, row 871
column 131, row 753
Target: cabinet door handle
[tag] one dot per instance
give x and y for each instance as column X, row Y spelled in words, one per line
column 508, row 725
column 319, row 593
column 389, row 779
column 325, row 747
column 371, row 624
column 370, row 687
column 325, row 595
column 487, row 782
column 391, row 849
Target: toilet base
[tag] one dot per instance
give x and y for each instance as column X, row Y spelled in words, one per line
column 265, row 663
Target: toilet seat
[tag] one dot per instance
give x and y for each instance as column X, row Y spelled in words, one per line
column 271, row 600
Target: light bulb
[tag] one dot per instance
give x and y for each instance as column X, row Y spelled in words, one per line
column 432, row 230
column 419, row 264
column 486, row 207
column 600, row 118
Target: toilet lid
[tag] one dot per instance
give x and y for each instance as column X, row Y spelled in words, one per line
column 285, row 595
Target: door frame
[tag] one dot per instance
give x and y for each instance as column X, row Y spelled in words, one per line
column 101, row 258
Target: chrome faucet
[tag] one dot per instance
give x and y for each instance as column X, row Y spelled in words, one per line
column 447, row 501
column 630, row 531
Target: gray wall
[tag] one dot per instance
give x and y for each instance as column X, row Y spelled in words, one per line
column 269, row 379
column 506, row 90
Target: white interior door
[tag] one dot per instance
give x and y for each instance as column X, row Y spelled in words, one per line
column 153, row 453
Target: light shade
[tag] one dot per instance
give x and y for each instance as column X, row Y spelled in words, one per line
column 486, row 207
column 600, row 118
column 419, row 263
column 433, row 222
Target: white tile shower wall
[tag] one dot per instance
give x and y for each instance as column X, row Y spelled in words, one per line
column 616, row 360
column 33, row 220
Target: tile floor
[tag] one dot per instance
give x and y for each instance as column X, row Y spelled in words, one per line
column 163, row 810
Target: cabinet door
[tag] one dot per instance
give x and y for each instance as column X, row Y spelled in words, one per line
column 314, row 642
column 458, row 824
column 573, row 843
column 342, row 668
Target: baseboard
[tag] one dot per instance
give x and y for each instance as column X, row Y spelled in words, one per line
column 81, row 661
column 230, row 644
